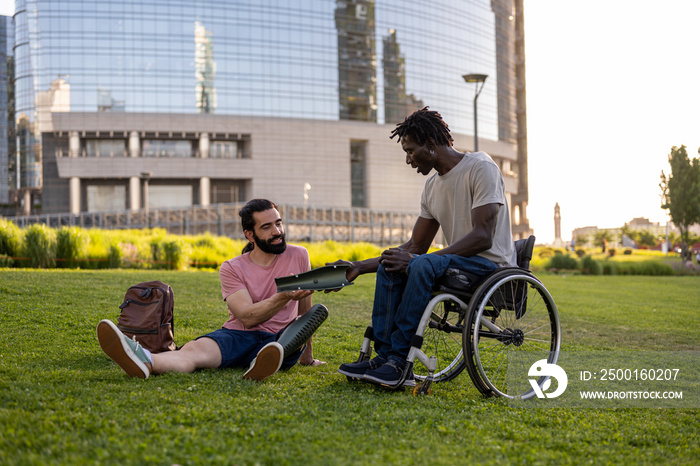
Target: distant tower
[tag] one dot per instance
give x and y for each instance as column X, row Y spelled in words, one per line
column 557, row 226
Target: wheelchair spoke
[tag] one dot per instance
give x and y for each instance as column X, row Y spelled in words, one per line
column 518, row 325
column 442, row 338
column 543, row 326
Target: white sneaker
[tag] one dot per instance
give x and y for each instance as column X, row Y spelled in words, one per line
column 267, row 362
column 128, row 354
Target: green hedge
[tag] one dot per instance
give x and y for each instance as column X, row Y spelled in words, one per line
column 74, row 247
column 562, row 262
column 11, row 238
column 586, row 265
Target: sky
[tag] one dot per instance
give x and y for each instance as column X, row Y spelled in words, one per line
column 612, row 86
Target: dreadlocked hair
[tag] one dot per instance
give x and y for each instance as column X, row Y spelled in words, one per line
column 424, row 126
column 247, row 220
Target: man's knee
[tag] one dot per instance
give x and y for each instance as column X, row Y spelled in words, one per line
column 431, row 264
column 203, row 353
column 385, row 278
column 382, row 273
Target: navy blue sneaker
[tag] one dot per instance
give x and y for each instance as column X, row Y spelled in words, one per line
column 390, row 374
column 357, row 369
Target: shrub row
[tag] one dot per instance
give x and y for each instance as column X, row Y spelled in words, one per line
column 589, row 266
column 74, row 247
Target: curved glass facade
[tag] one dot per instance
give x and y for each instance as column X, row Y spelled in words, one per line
column 266, row 58
column 371, row 61
column 7, row 133
column 319, row 59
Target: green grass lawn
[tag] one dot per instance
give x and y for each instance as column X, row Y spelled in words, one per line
column 62, row 401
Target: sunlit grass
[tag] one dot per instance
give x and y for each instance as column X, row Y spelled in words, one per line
column 62, row 401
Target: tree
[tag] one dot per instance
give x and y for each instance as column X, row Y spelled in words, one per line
column 641, row 237
column 680, row 193
column 647, row 238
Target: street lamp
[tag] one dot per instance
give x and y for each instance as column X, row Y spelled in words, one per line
column 476, row 79
column 307, row 188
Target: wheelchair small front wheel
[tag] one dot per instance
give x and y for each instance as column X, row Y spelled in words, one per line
column 442, row 338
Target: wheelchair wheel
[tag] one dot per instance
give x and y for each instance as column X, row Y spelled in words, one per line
column 442, row 338
column 512, row 322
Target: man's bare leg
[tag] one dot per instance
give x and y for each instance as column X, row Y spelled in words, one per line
column 196, row 354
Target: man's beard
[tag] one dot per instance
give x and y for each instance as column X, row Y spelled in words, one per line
column 268, row 247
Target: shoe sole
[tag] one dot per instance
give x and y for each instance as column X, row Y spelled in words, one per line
column 361, row 377
column 383, row 383
column 406, row 383
column 351, row 374
column 110, row 338
column 267, row 362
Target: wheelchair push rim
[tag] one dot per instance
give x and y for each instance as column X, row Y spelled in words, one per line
column 518, row 324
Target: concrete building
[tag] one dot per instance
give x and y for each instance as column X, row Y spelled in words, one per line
column 209, row 102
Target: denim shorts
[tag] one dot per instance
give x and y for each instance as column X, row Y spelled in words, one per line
column 239, row 347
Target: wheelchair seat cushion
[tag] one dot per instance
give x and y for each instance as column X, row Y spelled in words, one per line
column 457, row 280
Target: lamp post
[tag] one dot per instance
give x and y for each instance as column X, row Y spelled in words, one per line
column 476, row 79
column 307, row 188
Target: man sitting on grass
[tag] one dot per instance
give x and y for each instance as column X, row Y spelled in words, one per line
column 263, row 333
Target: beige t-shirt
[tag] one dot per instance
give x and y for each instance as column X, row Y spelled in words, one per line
column 475, row 181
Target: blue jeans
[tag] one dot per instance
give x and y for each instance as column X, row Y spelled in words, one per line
column 400, row 299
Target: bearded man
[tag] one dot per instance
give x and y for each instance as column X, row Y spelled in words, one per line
column 266, row 330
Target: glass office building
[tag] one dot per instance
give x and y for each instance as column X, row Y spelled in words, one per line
column 219, row 101
column 7, row 133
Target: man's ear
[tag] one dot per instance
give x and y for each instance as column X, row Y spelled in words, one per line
column 249, row 235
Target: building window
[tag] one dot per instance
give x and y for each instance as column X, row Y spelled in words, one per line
column 226, row 194
column 169, row 196
column 234, row 148
column 106, row 198
column 224, row 150
column 358, row 186
column 167, row 148
column 105, row 148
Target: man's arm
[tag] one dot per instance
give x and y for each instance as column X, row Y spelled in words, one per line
column 481, row 237
column 424, row 231
column 478, row 240
column 251, row 314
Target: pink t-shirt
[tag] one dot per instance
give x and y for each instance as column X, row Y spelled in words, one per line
column 241, row 273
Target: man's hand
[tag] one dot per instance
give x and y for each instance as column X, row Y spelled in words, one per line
column 298, row 294
column 350, row 274
column 395, row 260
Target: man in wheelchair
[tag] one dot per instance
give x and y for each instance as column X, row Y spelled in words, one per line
column 466, row 197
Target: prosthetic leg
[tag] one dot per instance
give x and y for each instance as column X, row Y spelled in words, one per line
column 291, row 340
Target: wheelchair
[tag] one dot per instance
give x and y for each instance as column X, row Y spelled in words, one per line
column 495, row 326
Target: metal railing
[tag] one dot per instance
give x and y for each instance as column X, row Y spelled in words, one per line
column 302, row 223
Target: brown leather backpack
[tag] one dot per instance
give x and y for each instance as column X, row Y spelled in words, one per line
column 147, row 316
